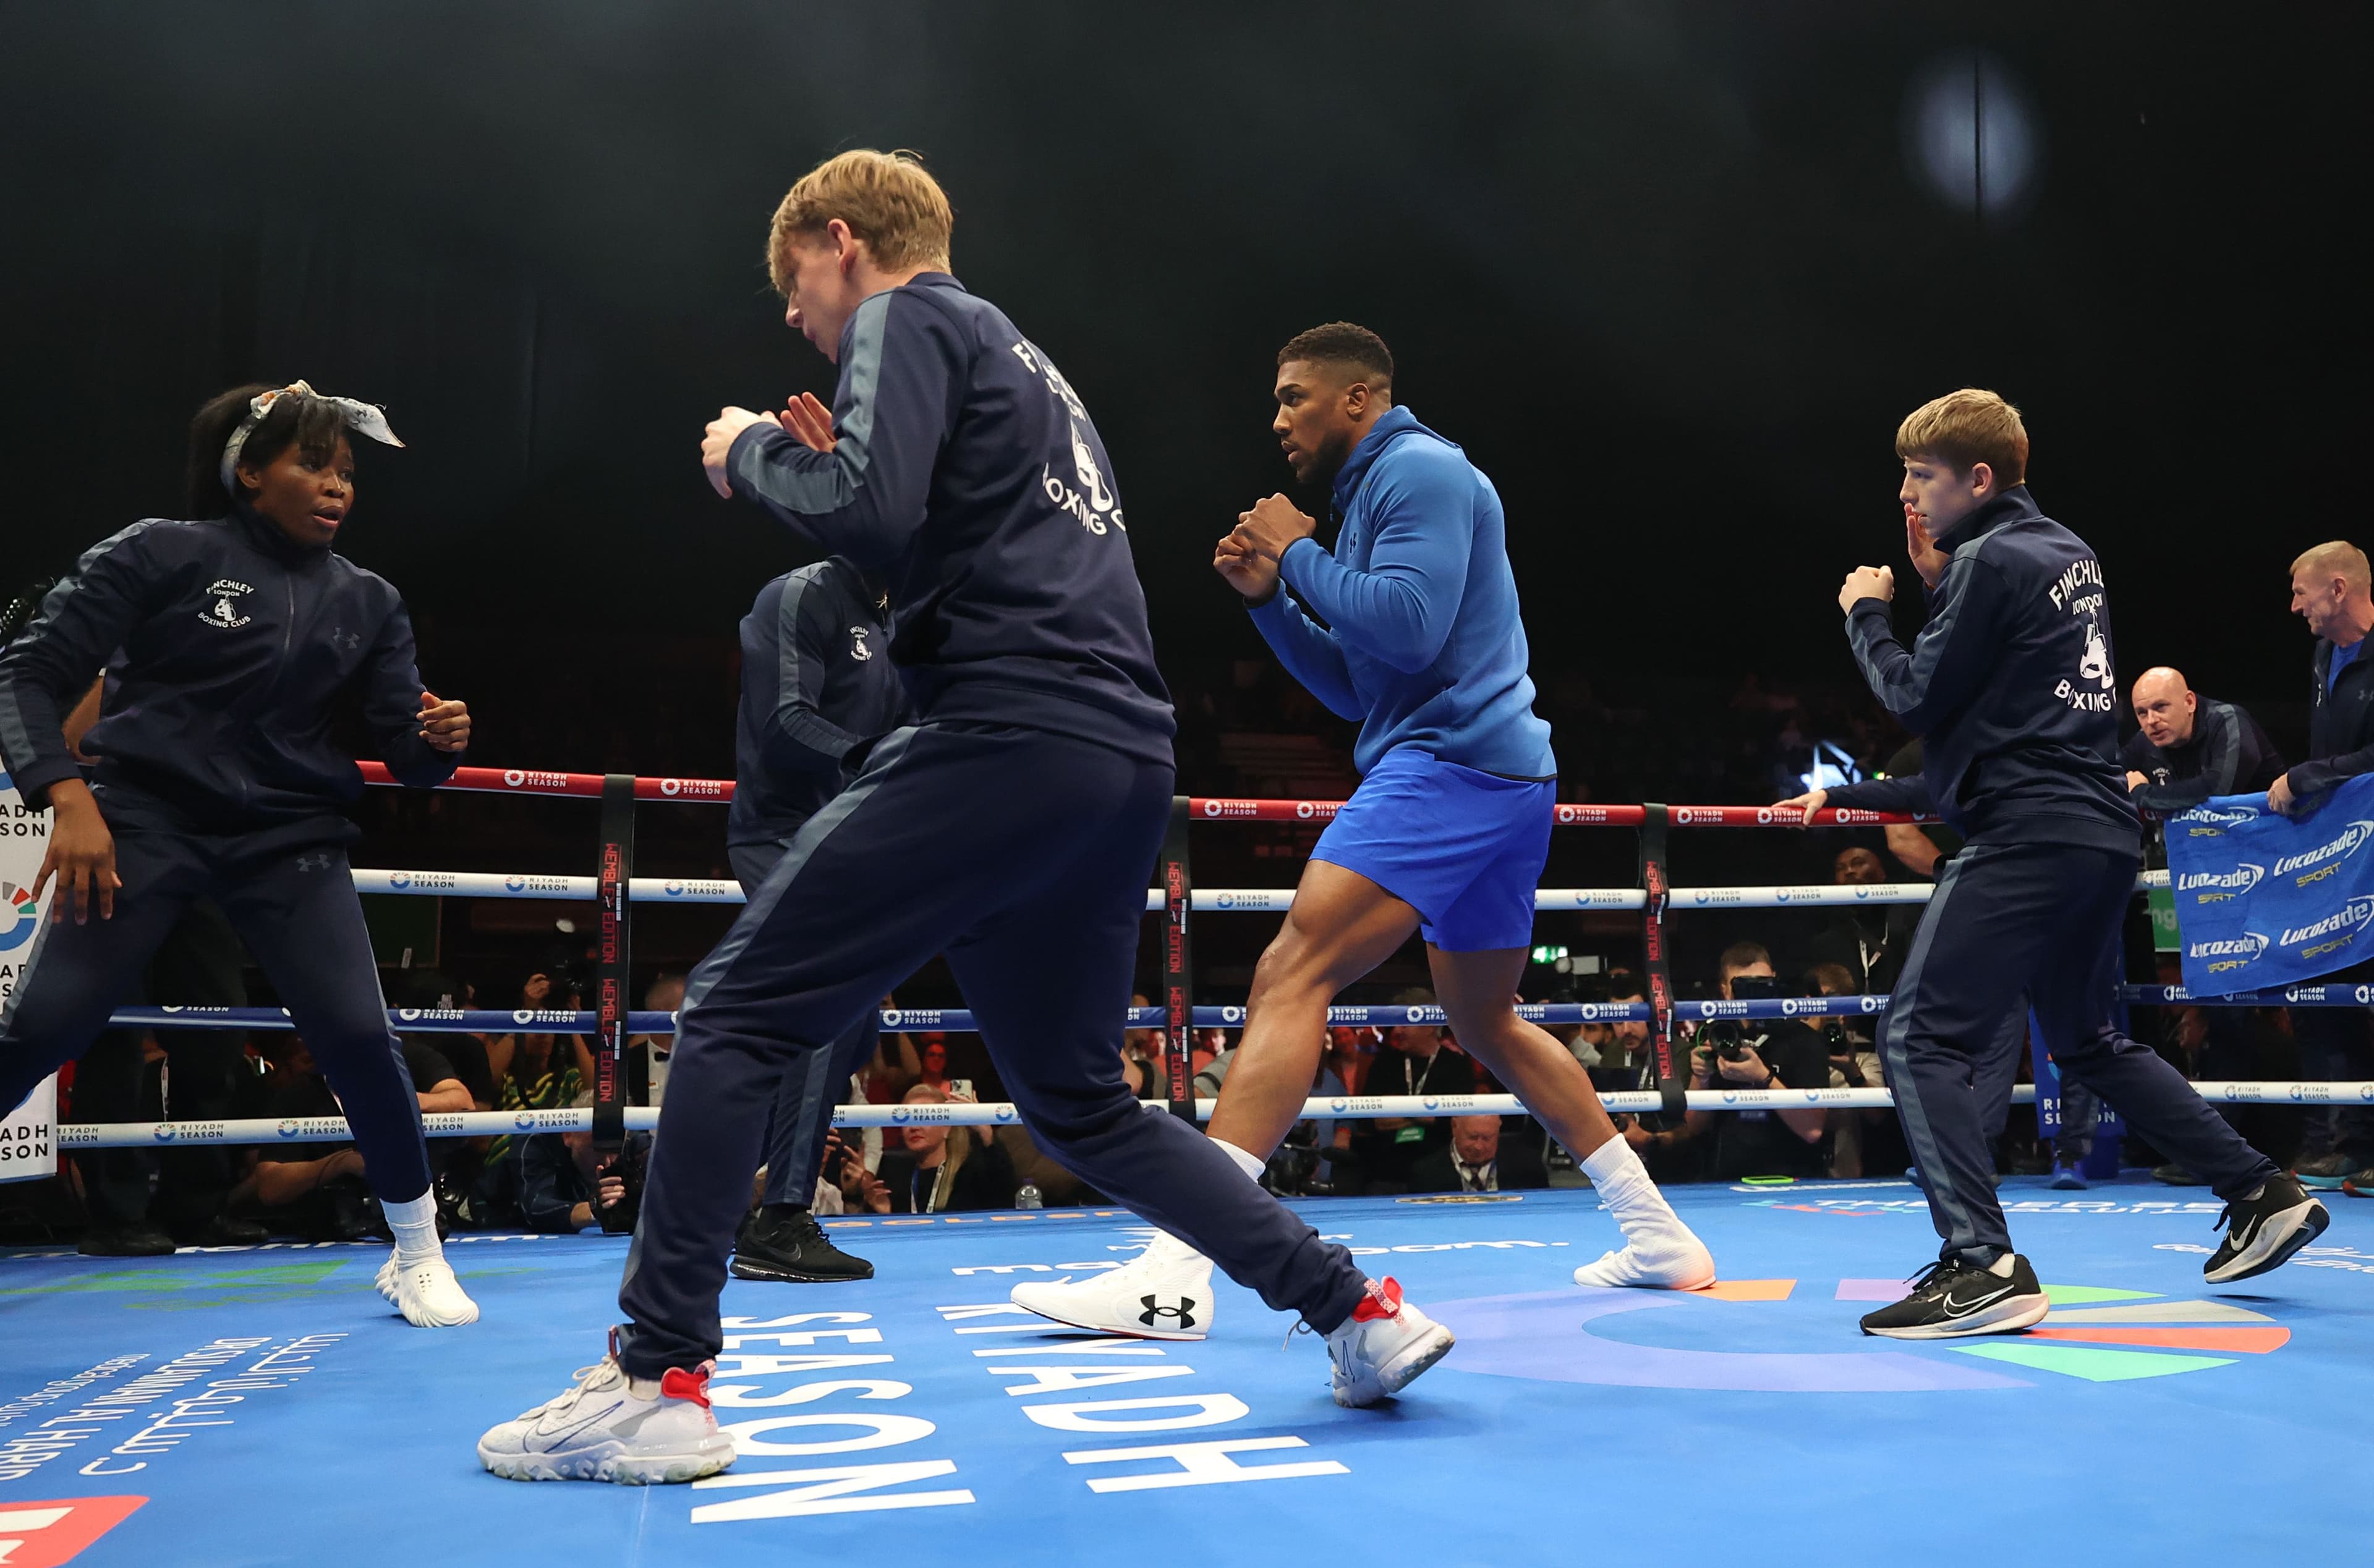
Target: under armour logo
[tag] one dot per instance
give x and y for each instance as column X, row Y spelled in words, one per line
column 345, row 640
column 1180, row 1310
column 319, row 861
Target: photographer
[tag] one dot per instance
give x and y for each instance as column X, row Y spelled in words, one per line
column 564, row 1183
column 1758, row 1054
column 1861, row 1140
column 1628, row 1063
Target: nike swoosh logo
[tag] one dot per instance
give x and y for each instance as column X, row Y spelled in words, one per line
column 554, row 1439
column 1963, row 1308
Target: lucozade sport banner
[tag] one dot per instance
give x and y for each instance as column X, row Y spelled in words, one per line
column 2266, row 900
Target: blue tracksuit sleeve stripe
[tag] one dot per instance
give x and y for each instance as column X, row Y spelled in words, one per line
column 798, row 734
column 1400, row 608
column 902, row 365
column 1909, row 793
column 1948, row 662
column 83, row 621
column 1310, row 655
column 391, row 696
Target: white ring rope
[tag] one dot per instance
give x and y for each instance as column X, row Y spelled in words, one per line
column 1202, row 900
column 485, row 1124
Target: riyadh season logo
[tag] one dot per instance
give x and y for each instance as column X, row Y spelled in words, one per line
column 22, row 913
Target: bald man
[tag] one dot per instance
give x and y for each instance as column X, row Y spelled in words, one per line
column 2191, row 747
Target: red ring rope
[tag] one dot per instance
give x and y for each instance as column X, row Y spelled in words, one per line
column 1202, row 808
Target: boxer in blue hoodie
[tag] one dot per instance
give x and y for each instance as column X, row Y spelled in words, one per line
column 1010, row 825
column 1423, row 645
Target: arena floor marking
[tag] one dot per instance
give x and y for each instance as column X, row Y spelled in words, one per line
column 260, row 1407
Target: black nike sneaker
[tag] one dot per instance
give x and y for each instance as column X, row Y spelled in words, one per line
column 782, row 1241
column 2263, row 1232
column 1953, row 1298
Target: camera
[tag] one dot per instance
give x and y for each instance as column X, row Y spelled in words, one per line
column 1725, row 1037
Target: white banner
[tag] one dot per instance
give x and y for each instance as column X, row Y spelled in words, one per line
column 27, row 1147
column 29, row 1143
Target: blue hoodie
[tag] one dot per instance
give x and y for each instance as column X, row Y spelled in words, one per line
column 1424, row 644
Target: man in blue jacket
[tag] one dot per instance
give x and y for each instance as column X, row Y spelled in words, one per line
column 817, row 691
column 1011, row 827
column 2011, row 688
column 1423, row 645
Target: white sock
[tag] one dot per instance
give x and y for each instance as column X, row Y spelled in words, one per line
column 2001, row 1267
column 1623, row 1184
column 414, row 1224
column 1246, row 1162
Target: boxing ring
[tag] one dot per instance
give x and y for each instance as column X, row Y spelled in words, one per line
column 260, row 1405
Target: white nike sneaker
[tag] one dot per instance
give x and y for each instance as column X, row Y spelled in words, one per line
column 1381, row 1348
column 1165, row 1293
column 426, row 1293
column 611, row 1427
column 1669, row 1258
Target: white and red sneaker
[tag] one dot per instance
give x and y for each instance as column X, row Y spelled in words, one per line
column 608, row 1426
column 1381, row 1348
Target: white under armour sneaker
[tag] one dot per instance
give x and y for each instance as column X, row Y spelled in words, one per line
column 1381, row 1348
column 611, row 1427
column 426, row 1293
column 1165, row 1293
column 1668, row 1257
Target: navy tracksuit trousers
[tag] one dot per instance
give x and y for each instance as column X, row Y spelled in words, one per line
column 812, row 1081
column 2039, row 919
column 294, row 906
column 1023, row 857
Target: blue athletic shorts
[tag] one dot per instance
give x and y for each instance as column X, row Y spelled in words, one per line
column 1464, row 848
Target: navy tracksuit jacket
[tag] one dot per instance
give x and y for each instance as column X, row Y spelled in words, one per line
column 1012, row 826
column 817, row 690
column 2012, row 690
column 219, row 778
